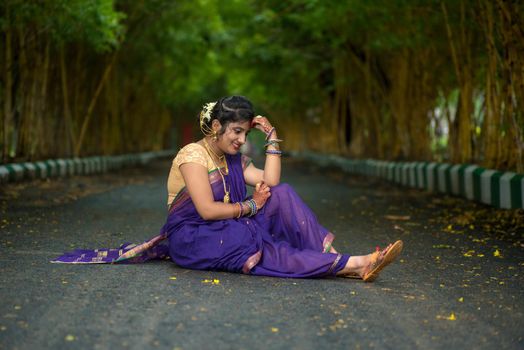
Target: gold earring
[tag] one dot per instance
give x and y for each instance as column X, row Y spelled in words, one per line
column 214, row 137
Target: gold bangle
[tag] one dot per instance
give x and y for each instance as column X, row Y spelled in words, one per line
column 240, row 210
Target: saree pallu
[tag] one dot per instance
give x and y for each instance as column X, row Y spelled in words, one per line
column 284, row 239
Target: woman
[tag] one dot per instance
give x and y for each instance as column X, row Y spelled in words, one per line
column 212, row 225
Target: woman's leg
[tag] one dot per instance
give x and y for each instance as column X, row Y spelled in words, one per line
column 287, row 218
column 280, row 259
column 226, row 245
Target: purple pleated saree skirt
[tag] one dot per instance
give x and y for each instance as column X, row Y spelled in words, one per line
column 284, row 239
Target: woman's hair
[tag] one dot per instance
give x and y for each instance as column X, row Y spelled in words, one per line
column 231, row 109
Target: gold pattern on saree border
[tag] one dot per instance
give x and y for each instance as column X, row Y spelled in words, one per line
column 339, row 256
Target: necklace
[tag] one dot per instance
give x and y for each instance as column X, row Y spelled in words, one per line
column 220, row 158
column 211, row 154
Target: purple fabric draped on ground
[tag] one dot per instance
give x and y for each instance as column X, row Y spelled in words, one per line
column 284, row 239
column 105, row 256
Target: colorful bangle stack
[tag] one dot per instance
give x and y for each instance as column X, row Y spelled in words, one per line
column 273, row 142
column 252, row 206
column 273, row 152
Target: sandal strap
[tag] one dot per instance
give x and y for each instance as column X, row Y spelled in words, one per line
column 375, row 260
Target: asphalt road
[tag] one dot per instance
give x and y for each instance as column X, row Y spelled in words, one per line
column 459, row 282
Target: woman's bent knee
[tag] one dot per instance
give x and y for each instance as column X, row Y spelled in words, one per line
column 281, row 188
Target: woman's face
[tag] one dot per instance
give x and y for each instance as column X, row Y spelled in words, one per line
column 234, row 137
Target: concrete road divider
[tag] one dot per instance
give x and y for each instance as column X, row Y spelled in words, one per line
column 497, row 188
column 76, row 166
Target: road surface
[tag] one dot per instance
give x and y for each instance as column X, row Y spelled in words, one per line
column 458, row 284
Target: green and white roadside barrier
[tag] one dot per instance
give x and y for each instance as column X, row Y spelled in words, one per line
column 75, row 166
column 492, row 187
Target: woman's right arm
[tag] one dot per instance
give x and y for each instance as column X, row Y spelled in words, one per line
column 197, row 184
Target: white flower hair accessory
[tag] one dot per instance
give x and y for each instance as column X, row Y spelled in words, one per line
column 205, row 116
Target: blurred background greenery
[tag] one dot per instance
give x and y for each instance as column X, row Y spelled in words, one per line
column 388, row 79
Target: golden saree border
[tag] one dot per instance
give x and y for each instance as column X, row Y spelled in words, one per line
column 328, row 241
column 183, row 195
column 330, row 271
column 251, row 262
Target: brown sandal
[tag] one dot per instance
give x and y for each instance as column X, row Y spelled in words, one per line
column 381, row 259
column 355, row 275
column 352, row 275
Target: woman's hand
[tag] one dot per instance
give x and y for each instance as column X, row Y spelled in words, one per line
column 261, row 194
column 261, row 123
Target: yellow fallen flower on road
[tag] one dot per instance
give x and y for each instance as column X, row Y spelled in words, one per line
column 213, row 281
column 451, row 317
column 469, row 253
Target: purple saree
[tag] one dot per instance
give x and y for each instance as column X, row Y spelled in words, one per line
column 284, row 239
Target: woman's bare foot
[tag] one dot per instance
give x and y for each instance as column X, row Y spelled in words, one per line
column 356, row 265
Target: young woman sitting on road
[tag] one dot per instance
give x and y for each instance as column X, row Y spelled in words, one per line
column 213, row 225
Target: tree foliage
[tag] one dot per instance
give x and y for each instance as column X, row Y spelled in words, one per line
column 390, row 79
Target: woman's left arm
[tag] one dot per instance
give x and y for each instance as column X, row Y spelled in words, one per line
column 271, row 173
